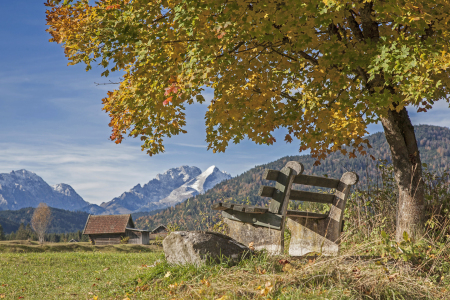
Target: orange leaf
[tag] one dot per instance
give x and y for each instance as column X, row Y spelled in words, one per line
column 167, row 101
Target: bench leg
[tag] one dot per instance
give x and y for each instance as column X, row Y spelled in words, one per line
column 262, row 238
column 309, row 235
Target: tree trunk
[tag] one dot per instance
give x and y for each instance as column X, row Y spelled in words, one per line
column 401, row 138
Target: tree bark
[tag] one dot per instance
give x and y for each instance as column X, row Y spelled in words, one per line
column 401, row 138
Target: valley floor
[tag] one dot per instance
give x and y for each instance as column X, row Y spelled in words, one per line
column 71, row 271
column 126, row 272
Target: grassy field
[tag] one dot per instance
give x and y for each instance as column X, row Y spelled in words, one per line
column 72, row 271
column 68, row 271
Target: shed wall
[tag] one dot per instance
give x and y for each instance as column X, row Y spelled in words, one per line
column 135, row 237
column 105, row 239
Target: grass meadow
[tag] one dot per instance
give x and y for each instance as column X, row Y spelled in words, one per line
column 71, row 271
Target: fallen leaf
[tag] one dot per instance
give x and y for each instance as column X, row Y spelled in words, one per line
column 167, row 274
column 283, row 261
column 205, row 282
column 172, row 286
column 287, row 267
column 392, row 277
column 224, row 297
column 266, row 290
column 251, row 246
column 105, row 269
column 2, row 296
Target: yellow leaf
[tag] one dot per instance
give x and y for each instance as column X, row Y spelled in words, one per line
column 205, row 282
column 266, row 290
column 167, row 274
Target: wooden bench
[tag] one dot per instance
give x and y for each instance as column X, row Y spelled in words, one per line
column 310, row 232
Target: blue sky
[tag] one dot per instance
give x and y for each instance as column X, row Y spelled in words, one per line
column 52, row 124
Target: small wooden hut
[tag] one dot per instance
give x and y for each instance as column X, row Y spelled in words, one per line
column 159, row 233
column 109, row 230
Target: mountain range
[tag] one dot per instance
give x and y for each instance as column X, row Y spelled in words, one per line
column 22, row 188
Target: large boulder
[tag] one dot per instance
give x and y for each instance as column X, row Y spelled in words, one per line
column 200, row 247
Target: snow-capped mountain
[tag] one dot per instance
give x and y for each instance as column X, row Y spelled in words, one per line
column 167, row 189
column 23, row 188
column 197, row 185
column 155, row 190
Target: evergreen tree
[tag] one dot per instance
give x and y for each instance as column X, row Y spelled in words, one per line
column 21, row 233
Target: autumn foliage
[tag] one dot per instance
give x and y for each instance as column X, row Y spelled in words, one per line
column 305, row 66
column 40, row 220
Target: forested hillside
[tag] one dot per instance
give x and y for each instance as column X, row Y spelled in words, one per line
column 195, row 213
column 62, row 220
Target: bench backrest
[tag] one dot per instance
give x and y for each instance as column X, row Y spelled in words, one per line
column 292, row 173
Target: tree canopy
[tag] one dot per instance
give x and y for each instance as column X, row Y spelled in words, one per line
column 322, row 69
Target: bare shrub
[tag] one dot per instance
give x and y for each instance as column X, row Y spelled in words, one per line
column 40, row 220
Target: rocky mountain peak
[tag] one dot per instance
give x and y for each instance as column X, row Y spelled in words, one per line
column 22, row 188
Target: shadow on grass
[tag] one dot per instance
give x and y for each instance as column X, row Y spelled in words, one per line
column 35, row 247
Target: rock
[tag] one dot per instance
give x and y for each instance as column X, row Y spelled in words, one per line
column 200, row 247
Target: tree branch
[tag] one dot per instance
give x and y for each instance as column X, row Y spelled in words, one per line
column 370, row 27
column 354, row 26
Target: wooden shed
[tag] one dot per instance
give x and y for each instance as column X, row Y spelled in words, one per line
column 159, row 232
column 109, row 230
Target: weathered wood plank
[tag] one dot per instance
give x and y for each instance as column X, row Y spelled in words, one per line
column 239, row 207
column 250, row 209
column 268, row 220
column 256, row 210
column 281, row 187
column 266, row 191
column 271, row 174
column 222, row 206
column 316, row 181
column 311, row 197
column 305, row 214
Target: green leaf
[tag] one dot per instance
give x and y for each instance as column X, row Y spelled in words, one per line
column 405, row 236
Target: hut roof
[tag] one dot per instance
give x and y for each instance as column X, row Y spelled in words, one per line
column 158, row 229
column 108, row 224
